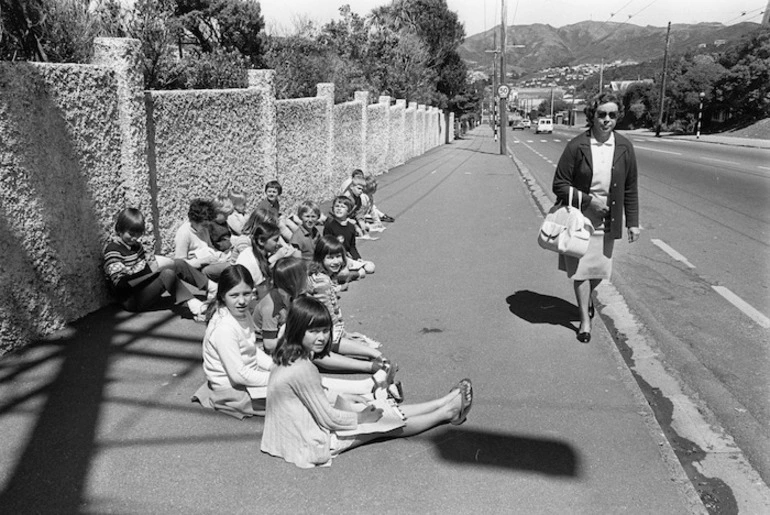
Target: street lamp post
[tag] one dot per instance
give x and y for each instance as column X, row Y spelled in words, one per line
column 701, row 96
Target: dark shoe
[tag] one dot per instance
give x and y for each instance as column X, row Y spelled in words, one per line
column 387, row 218
column 584, row 337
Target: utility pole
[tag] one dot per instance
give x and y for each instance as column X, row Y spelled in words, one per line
column 601, row 76
column 493, row 103
column 663, row 84
column 503, row 100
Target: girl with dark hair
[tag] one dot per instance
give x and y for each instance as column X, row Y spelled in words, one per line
column 265, row 250
column 328, row 264
column 599, row 168
column 303, row 427
column 236, row 369
column 290, row 280
column 139, row 282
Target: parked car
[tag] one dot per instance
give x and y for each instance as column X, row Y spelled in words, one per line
column 544, row 125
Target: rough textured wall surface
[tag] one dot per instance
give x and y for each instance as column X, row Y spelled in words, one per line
column 348, row 140
column 301, row 141
column 377, row 138
column 202, row 143
column 410, row 131
column 396, row 150
column 60, row 185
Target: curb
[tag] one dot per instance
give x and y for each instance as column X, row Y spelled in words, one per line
column 607, row 292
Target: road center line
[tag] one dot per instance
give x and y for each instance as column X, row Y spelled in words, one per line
column 764, row 167
column 744, row 306
column 671, row 252
column 656, row 150
column 719, row 161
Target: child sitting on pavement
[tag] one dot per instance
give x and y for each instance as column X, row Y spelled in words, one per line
column 237, row 218
column 192, row 241
column 301, row 424
column 271, row 203
column 219, row 229
column 138, row 282
column 307, row 234
column 339, row 226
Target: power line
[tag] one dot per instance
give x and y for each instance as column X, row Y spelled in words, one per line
column 744, row 13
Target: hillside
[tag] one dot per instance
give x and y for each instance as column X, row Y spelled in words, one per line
column 590, row 42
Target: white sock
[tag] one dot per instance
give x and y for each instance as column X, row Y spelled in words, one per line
column 196, row 306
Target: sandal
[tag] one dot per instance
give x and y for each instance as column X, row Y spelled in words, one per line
column 466, row 401
column 390, row 372
column 396, row 392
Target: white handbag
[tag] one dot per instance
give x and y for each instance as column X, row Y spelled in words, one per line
column 565, row 230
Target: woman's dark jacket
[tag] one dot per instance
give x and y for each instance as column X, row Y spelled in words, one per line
column 575, row 169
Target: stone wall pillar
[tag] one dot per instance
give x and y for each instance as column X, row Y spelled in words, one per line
column 363, row 97
column 325, row 90
column 124, row 57
column 264, row 80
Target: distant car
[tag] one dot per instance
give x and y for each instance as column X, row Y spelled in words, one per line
column 544, row 125
column 527, row 123
column 518, row 124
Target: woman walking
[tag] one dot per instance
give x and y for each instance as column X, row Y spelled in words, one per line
column 601, row 165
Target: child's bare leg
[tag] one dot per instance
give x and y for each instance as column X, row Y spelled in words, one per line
column 350, row 347
column 353, row 386
column 338, row 362
column 452, row 399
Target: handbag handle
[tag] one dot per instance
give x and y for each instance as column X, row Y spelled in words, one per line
column 580, row 197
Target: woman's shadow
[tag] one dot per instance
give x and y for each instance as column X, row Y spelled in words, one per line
column 537, row 308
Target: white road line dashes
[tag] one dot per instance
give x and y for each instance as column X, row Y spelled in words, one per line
column 671, row 252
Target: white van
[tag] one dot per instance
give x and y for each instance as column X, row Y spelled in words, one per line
column 544, row 125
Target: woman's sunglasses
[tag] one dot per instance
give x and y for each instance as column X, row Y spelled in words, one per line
column 604, row 114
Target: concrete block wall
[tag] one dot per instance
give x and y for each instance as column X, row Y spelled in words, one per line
column 80, row 142
column 349, row 138
column 60, row 180
column 377, row 137
column 203, row 143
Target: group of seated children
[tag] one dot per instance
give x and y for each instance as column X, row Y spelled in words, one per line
column 272, row 286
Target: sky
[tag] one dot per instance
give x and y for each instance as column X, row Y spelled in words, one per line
column 481, row 15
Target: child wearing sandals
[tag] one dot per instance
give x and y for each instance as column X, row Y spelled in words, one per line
column 303, row 427
column 290, row 280
column 236, row 369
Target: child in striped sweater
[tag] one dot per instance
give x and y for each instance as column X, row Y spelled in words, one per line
column 139, row 282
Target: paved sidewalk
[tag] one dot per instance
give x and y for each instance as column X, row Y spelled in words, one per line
column 98, row 419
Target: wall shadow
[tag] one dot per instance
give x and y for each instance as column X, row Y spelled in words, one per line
column 61, row 382
column 537, row 308
column 484, row 448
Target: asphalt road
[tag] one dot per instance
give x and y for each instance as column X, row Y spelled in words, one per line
column 705, row 210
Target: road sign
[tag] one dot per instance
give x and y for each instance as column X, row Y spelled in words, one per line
column 503, row 91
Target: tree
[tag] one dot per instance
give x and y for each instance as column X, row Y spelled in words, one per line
column 55, row 30
column 745, row 88
column 230, row 25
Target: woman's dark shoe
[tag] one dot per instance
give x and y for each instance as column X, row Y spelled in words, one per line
column 584, row 336
column 387, row 218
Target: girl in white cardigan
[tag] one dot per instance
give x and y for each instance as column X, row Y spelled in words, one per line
column 236, row 369
column 301, row 424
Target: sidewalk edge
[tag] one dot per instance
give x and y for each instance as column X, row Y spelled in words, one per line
column 671, row 461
